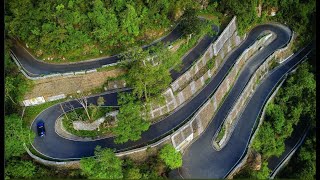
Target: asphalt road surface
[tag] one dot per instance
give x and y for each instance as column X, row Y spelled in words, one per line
column 54, row 146
column 201, row 160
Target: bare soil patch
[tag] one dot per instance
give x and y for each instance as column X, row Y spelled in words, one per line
column 69, row 85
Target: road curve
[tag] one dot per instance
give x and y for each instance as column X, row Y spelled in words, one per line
column 37, row 68
column 69, row 149
column 201, row 160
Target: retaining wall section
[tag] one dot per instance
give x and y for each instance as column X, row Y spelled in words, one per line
column 239, row 106
column 239, row 166
column 202, row 118
column 186, row 86
column 212, row 50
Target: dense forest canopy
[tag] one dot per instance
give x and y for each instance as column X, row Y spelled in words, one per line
column 297, row 15
column 75, row 28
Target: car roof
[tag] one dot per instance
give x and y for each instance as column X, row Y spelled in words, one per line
column 40, row 123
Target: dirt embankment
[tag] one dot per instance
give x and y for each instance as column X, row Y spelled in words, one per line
column 69, row 85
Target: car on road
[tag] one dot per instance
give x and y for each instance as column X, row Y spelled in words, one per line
column 41, row 129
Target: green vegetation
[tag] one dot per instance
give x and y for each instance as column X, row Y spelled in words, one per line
column 295, row 102
column 190, row 23
column 221, row 133
column 148, row 74
column 20, row 169
column 77, row 30
column 94, row 113
column 80, row 115
column 211, row 62
column 16, row 84
column 295, row 14
column 104, row 166
column 244, row 10
column 303, row 163
column 15, row 134
column 171, row 157
column 130, row 121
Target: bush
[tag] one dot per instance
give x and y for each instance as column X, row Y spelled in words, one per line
column 171, row 157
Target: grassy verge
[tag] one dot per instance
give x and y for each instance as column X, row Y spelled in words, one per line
column 221, row 134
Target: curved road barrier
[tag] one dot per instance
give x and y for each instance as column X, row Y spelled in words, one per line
column 201, row 160
column 69, row 149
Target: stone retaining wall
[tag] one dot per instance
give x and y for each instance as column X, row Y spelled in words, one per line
column 186, row 86
column 202, row 118
column 239, row 166
column 239, row 106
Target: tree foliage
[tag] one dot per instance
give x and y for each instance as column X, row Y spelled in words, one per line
column 148, row 70
column 244, row 10
column 16, row 85
column 15, row 135
column 294, row 102
column 19, row 169
column 105, row 165
column 171, row 157
column 298, row 15
column 190, row 23
column 130, row 123
column 74, row 29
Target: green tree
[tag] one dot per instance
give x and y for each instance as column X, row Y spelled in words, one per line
column 130, row 122
column 263, row 173
column 171, row 157
column 131, row 170
column 19, row 169
column 130, row 20
column 133, row 173
column 275, row 113
column 105, row 165
column 15, row 135
column 244, row 10
column 148, row 74
column 266, row 142
column 190, row 23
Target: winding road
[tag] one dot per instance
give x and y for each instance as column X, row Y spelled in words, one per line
column 36, row 68
column 70, row 149
column 200, row 160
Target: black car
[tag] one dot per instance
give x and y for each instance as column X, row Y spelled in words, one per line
column 41, row 129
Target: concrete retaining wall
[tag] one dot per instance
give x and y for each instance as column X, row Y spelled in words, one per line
column 213, row 50
column 186, row 86
column 202, row 118
column 239, row 106
column 41, row 100
column 239, row 166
